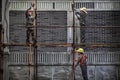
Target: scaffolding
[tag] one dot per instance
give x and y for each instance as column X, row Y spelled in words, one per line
column 74, row 44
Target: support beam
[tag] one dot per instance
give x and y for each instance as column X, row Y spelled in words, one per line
column 64, row 44
column 1, row 54
column 64, row 26
column 35, row 40
column 74, row 40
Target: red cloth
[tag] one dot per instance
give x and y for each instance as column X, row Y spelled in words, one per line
column 83, row 59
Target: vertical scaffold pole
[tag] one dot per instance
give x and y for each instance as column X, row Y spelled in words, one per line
column 73, row 45
column 29, row 60
column 1, row 52
column 35, row 40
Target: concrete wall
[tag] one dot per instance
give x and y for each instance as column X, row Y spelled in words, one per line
column 95, row 72
column 108, row 17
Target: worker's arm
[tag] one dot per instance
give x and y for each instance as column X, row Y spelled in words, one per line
column 78, row 14
column 78, row 62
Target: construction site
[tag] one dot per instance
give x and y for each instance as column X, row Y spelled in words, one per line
column 39, row 39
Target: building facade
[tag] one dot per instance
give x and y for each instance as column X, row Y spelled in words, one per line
column 102, row 27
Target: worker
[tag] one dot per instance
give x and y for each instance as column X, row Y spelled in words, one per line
column 29, row 22
column 81, row 16
column 82, row 58
column 29, row 15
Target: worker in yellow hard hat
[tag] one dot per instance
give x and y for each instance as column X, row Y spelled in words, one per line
column 80, row 50
column 82, row 58
column 84, row 9
column 81, row 15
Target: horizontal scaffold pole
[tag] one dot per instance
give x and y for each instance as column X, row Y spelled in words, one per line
column 64, row 26
column 63, row 44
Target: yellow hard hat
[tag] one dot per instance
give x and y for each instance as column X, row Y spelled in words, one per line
column 84, row 9
column 80, row 50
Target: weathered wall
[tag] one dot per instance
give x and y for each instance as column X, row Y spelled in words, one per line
column 45, row 34
column 44, row 73
column 103, row 18
column 94, row 18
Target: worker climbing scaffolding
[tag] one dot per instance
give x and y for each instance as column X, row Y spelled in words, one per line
column 29, row 23
column 81, row 16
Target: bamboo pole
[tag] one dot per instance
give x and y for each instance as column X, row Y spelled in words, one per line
column 64, row 44
column 35, row 39
column 73, row 45
column 64, row 26
column 29, row 60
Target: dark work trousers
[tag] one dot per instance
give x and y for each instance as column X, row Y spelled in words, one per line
column 29, row 21
column 82, row 22
column 29, row 33
column 84, row 71
column 82, row 33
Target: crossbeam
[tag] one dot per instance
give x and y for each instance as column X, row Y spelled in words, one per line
column 38, row 44
column 63, row 44
column 64, row 26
